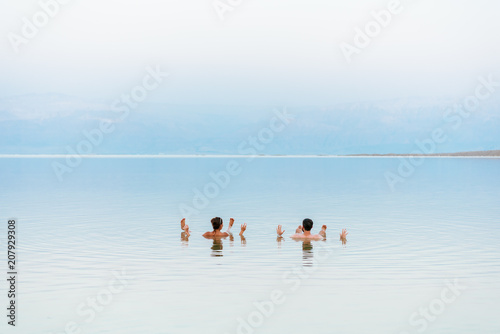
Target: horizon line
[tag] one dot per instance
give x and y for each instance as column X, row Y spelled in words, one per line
column 234, row 156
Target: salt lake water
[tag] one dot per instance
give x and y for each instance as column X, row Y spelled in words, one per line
column 102, row 251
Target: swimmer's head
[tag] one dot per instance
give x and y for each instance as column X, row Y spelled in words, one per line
column 307, row 224
column 216, row 223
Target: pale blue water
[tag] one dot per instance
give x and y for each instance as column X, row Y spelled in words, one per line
column 442, row 224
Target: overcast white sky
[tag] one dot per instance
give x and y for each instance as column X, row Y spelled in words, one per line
column 266, row 52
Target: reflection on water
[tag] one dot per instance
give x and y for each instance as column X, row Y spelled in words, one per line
column 344, row 241
column 440, row 224
column 279, row 240
column 184, row 239
column 217, row 245
column 307, row 253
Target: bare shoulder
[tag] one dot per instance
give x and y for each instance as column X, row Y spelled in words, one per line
column 310, row 237
column 211, row 235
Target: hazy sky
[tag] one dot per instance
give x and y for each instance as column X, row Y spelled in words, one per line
column 277, row 52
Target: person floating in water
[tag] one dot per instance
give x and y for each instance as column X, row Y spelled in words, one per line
column 304, row 232
column 217, row 225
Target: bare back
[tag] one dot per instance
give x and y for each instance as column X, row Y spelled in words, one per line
column 302, row 236
column 215, row 234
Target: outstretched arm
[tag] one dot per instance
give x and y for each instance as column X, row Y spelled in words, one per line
column 243, row 229
column 231, row 223
column 323, row 231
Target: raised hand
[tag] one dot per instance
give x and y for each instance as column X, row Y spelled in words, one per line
column 186, row 229
column 243, row 228
column 323, row 231
column 279, row 231
column 344, row 234
column 231, row 223
column 183, row 223
column 299, row 229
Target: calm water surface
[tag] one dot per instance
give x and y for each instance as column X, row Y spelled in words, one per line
column 121, row 217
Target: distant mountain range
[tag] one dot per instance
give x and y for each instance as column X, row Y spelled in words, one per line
column 52, row 123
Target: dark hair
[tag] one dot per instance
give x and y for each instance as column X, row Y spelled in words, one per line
column 216, row 223
column 308, row 224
